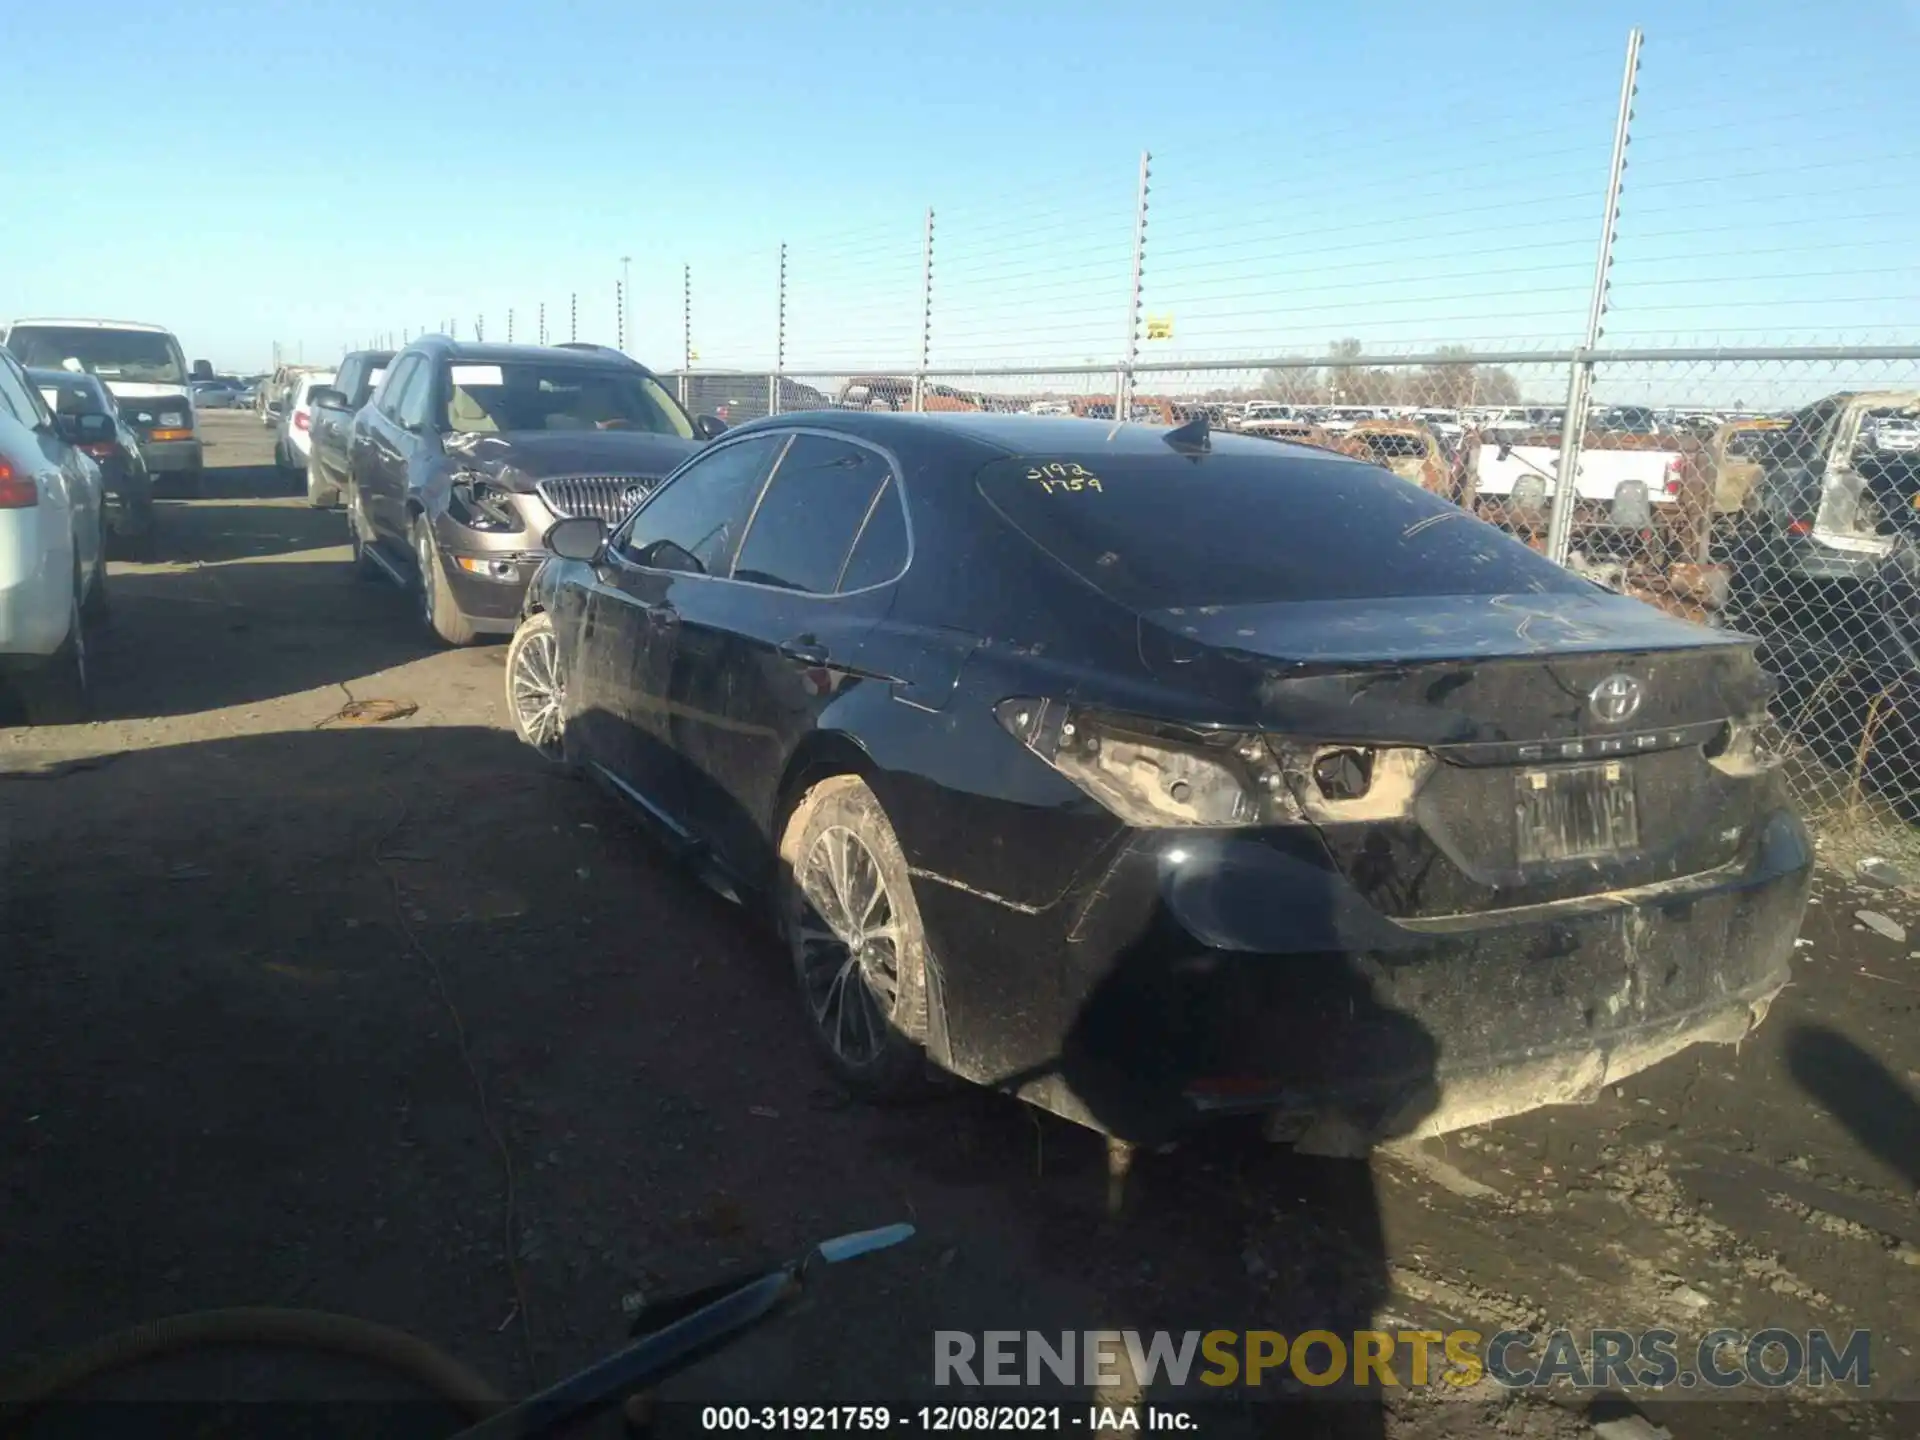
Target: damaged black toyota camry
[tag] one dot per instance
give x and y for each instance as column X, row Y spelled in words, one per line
column 1151, row 774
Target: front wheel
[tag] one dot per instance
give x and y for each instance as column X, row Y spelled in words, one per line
column 854, row 932
column 438, row 607
column 322, row 493
column 536, row 688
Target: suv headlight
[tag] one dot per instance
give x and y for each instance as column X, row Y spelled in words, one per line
column 481, row 505
column 1156, row 775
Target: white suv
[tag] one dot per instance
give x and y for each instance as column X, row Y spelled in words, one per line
column 53, row 567
column 295, row 445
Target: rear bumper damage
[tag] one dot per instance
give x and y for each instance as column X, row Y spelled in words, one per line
column 1191, row 975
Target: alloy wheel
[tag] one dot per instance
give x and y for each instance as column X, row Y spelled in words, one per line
column 423, row 556
column 538, row 693
column 848, row 944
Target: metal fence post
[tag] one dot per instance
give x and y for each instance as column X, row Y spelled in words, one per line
column 926, row 319
column 779, row 338
column 509, row 326
column 686, row 331
column 543, row 322
column 620, row 317
column 480, row 329
column 1123, row 388
column 1566, row 489
column 573, row 315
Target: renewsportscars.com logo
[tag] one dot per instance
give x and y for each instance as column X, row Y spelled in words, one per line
column 1518, row 1359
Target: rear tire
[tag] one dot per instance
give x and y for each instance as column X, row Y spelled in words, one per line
column 59, row 693
column 95, row 608
column 438, row 607
column 363, row 564
column 859, row 950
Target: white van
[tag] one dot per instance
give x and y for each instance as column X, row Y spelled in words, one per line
column 144, row 368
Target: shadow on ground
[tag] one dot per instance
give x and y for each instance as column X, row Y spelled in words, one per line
column 238, row 974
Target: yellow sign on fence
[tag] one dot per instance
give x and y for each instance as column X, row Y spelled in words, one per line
column 1160, row 327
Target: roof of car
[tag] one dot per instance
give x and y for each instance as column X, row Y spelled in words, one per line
column 478, row 352
column 1019, row 433
column 97, row 325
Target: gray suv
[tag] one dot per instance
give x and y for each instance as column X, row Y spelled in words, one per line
column 468, row 453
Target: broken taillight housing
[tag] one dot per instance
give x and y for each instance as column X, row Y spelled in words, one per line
column 1158, row 774
column 1741, row 748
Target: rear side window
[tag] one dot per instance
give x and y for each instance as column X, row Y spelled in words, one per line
column 811, row 514
column 1233, row 528
column 880, row 554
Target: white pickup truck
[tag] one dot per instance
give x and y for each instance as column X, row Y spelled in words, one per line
column 1630, row 488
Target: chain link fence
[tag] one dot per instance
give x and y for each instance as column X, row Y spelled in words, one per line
column 1718, row 352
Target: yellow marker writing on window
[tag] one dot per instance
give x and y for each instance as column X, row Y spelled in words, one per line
column 1063, row 475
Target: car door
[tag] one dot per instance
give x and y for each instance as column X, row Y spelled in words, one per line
column 332, row 424
column 679, row 540
column 380, row 459
column 758, row 659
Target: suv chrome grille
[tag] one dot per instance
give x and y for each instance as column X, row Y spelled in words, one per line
column 609, row 497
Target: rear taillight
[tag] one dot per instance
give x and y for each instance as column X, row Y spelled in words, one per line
column 17, row 491
column 1800, row 527
column 300, row 420
column 1673, row 476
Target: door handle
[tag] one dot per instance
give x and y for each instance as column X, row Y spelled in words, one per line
column 804, row 650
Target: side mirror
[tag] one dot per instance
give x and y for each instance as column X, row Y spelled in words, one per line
column 1506, row 450
column 579, row 537
column 330, row 398
column 203, row 370
column 709, row 427
column 91, row 429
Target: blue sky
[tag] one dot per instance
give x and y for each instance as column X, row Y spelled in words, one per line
column 1409, row 174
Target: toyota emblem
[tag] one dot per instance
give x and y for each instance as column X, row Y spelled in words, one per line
column 1616, row 699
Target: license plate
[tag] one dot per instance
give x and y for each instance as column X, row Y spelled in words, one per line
column 1575, row 812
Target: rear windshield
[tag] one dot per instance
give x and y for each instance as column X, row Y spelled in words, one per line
column 146, row 357
column 1155, row 531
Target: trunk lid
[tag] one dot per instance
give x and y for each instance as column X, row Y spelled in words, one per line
column 1570, row 736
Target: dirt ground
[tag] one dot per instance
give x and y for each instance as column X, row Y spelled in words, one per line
column 291, row 1003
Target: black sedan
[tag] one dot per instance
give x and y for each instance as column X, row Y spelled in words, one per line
column 1149, row 774
column 81, row 400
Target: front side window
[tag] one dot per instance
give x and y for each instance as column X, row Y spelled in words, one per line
column 487, row 398
column 415, row 407
column 395, row 392
column 147, row 357
column 810, row 515
column 693, row 522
